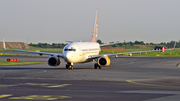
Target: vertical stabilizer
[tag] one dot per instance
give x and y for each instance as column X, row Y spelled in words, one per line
column 95, row 32
column 4, row 46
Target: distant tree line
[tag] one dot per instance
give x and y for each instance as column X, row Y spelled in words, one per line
column 61, row 45
column 168, row 44
column 46, row 45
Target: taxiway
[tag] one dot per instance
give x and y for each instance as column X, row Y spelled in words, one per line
column 127, row 79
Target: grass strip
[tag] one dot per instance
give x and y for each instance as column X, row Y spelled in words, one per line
column 4, row 63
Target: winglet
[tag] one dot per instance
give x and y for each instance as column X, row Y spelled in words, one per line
column 94, row 37
column 70, row 41
column 4, row 46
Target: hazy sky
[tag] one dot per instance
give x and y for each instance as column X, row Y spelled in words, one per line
column 54, row 21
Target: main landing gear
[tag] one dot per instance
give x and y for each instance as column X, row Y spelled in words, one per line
column 96, row 66
column 69, row 66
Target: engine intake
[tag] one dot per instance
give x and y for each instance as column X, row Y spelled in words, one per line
column 53, row 61
column 104, row 61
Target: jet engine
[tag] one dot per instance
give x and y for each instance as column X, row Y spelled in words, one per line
column 104, row 61
column 53, row 61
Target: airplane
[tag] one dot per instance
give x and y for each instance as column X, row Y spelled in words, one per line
column 82, row 52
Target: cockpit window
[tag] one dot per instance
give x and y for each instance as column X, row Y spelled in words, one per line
column 69, row 49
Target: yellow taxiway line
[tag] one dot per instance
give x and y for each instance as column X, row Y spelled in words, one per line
column 137, row 81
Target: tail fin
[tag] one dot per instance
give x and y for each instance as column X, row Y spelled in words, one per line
column 174, row 44
column 94, row 37
column 4, row 46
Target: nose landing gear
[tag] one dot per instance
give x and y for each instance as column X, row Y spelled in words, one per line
column 69, row 66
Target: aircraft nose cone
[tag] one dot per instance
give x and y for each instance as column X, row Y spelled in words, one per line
column 68, row 56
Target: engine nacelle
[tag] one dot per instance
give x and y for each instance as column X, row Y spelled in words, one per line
column 104, row 61
column 53, row 61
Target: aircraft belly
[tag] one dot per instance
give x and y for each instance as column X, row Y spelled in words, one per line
column 77, row 59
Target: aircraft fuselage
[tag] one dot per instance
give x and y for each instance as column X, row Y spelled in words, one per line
column 78, row 52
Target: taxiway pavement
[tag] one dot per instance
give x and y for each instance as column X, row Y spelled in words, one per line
column 126, row 79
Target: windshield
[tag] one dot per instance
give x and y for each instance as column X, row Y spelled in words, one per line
column 69, row 49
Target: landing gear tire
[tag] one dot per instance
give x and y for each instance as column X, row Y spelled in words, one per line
column 96, row 66
column 70, row 67
column 67, row 66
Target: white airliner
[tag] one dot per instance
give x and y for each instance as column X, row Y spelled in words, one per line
column 81, row 52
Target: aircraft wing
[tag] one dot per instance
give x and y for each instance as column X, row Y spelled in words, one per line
column 115, row 54
column 40, row 53
column 110, row 44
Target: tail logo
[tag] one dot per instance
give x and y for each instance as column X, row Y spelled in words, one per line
column 94, row 37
